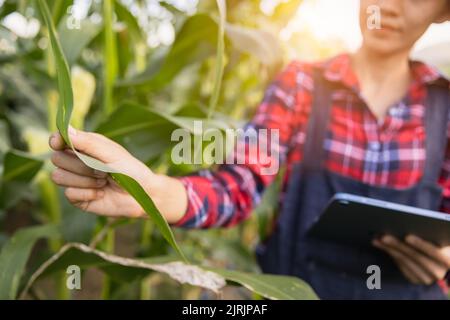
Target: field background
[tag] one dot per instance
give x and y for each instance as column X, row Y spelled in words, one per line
column 132, row 64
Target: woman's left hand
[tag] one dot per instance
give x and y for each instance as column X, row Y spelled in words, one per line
column 420, row 261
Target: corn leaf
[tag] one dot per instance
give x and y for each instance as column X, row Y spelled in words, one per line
column 59, row 9
column 132, row 117
column 131, row 22
column 14, row 256
column 194, row 43
column 8, row 42
column 267, row 208
column 19, row 169
column 63, row 120
column 260, row 43
column 88, row 257
column 273, row 287
column 74, row 39
column 111, row 66
column 19, row 166
column 145, row 131
column 4, row 138
column 127, row 269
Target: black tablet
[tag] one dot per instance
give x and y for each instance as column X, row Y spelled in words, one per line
column 357, row 220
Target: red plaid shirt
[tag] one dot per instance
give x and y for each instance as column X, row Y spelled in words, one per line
column 388, row 153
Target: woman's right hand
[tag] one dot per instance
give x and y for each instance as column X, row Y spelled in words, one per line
column 97, row 192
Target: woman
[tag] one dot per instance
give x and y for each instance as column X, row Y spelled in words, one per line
column 373, row 123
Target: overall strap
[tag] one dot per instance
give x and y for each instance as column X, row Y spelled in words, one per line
column 436, row 121
column 313, row 149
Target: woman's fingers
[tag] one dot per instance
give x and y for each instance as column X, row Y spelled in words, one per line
column 408, row 273
column 78, row 195
column 91, row 144
column 68, row 179
column 441, row 255
column 56, row 142
column 89, row 200
column 96, row 145
column 434, row 268
column 69, row 161
column 403, row 260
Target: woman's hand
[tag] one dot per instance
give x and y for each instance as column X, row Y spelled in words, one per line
column 97, row 192
column 420, row 261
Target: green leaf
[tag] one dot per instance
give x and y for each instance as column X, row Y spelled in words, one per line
column 74, row 40
column 111, row 66
column 63, row 120
column 9, row 45
column 14, row 256
column 132, row 117
column 131, row 22
column 273, row 287
column 133, row 188
column 194, row 43
column 133, row 47
column 20, row 167
column 65, row 102
column 266, row 210
column 4, row 138
column 8, row 6
column 59, row 9
column 76, row 225
column 19, row 82
column 146, row 132
column 285, row 10
column 260, row 43
column 126, row 268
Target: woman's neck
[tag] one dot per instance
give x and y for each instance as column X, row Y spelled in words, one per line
column 383, row 79
column 380, row 68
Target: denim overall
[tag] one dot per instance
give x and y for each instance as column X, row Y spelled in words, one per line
column 337, row 271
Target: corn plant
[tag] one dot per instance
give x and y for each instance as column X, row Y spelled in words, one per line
column 101, row 76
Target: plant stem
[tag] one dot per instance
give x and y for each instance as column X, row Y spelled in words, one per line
column 108, row 247
column 49, row 192
column 146, row 235
column 219, row 58
column 110, row 57
column 110, row 74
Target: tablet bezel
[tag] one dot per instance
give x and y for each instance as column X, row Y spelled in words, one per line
column 365, row 218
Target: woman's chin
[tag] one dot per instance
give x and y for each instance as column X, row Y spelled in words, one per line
column 381, row 46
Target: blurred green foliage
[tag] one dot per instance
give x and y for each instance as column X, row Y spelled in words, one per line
column 127, row 70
